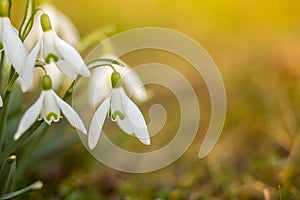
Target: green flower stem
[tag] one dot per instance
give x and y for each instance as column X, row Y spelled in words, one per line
column 24, row 19
column 29, row 25
column 2, row 63
column 29, row 11
column 13, row 77
column 109, row 60
column 18, row 143
column 35, row 186
column 70, row 90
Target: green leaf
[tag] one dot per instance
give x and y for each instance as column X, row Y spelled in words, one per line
column 7, row 174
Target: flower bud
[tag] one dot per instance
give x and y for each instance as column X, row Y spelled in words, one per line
column 4, row 8
column 46, row 82
column 116, row 79
column 46, row 23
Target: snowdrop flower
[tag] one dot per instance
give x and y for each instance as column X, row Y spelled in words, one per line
column 9, row 40
column 62, row 25
column 122, row 110
column 26, row 72
column 56, row 50
column 47, row 108
column 100, row 81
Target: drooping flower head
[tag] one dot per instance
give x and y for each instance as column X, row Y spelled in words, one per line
column 10, row 42
column 101, row 81
column 61, row 24
column 64, row 27
column 55, row 51
column 48, row 107
column 122, row 110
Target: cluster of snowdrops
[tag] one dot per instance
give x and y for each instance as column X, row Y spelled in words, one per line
column 37, row 46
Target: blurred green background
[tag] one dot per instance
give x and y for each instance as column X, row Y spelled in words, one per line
column 256, row 46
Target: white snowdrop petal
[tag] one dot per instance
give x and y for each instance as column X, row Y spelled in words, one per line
column 70, row 114
column 116, row 105
column 97, row 122
column 56, row 75
column 62, row 24
column 34, row 36
column 1, row 29
column 30, row 116
column 50, row 107
column 48, row 43
column 134, row 85
column 27, row 70
column 67, row 69
column 13, row 46
column 136, row 118
column 70, row 55
column 1, row 102
column 84, row 70
column 99, row 85
column 131, row 81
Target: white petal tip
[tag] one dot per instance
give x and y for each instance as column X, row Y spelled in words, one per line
column 91, row 145
column 84, row 71
column 24, row 88
column 145, row 141
column 84, row 131
column 17, row 136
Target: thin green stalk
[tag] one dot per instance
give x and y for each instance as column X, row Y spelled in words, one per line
column 9, row 9
column 69, row 90
column 35, row 186
column 2, row 63
column 105, row 60
column 29, row 25
column 24, row 19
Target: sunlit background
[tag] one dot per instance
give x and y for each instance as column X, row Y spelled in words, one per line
column 256, row 46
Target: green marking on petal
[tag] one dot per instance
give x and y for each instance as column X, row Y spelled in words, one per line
column 50, row 57
column 1, row 46
column 117, row 113
column 51, row 116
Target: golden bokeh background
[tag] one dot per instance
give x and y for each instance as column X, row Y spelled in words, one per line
column 256, row 46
